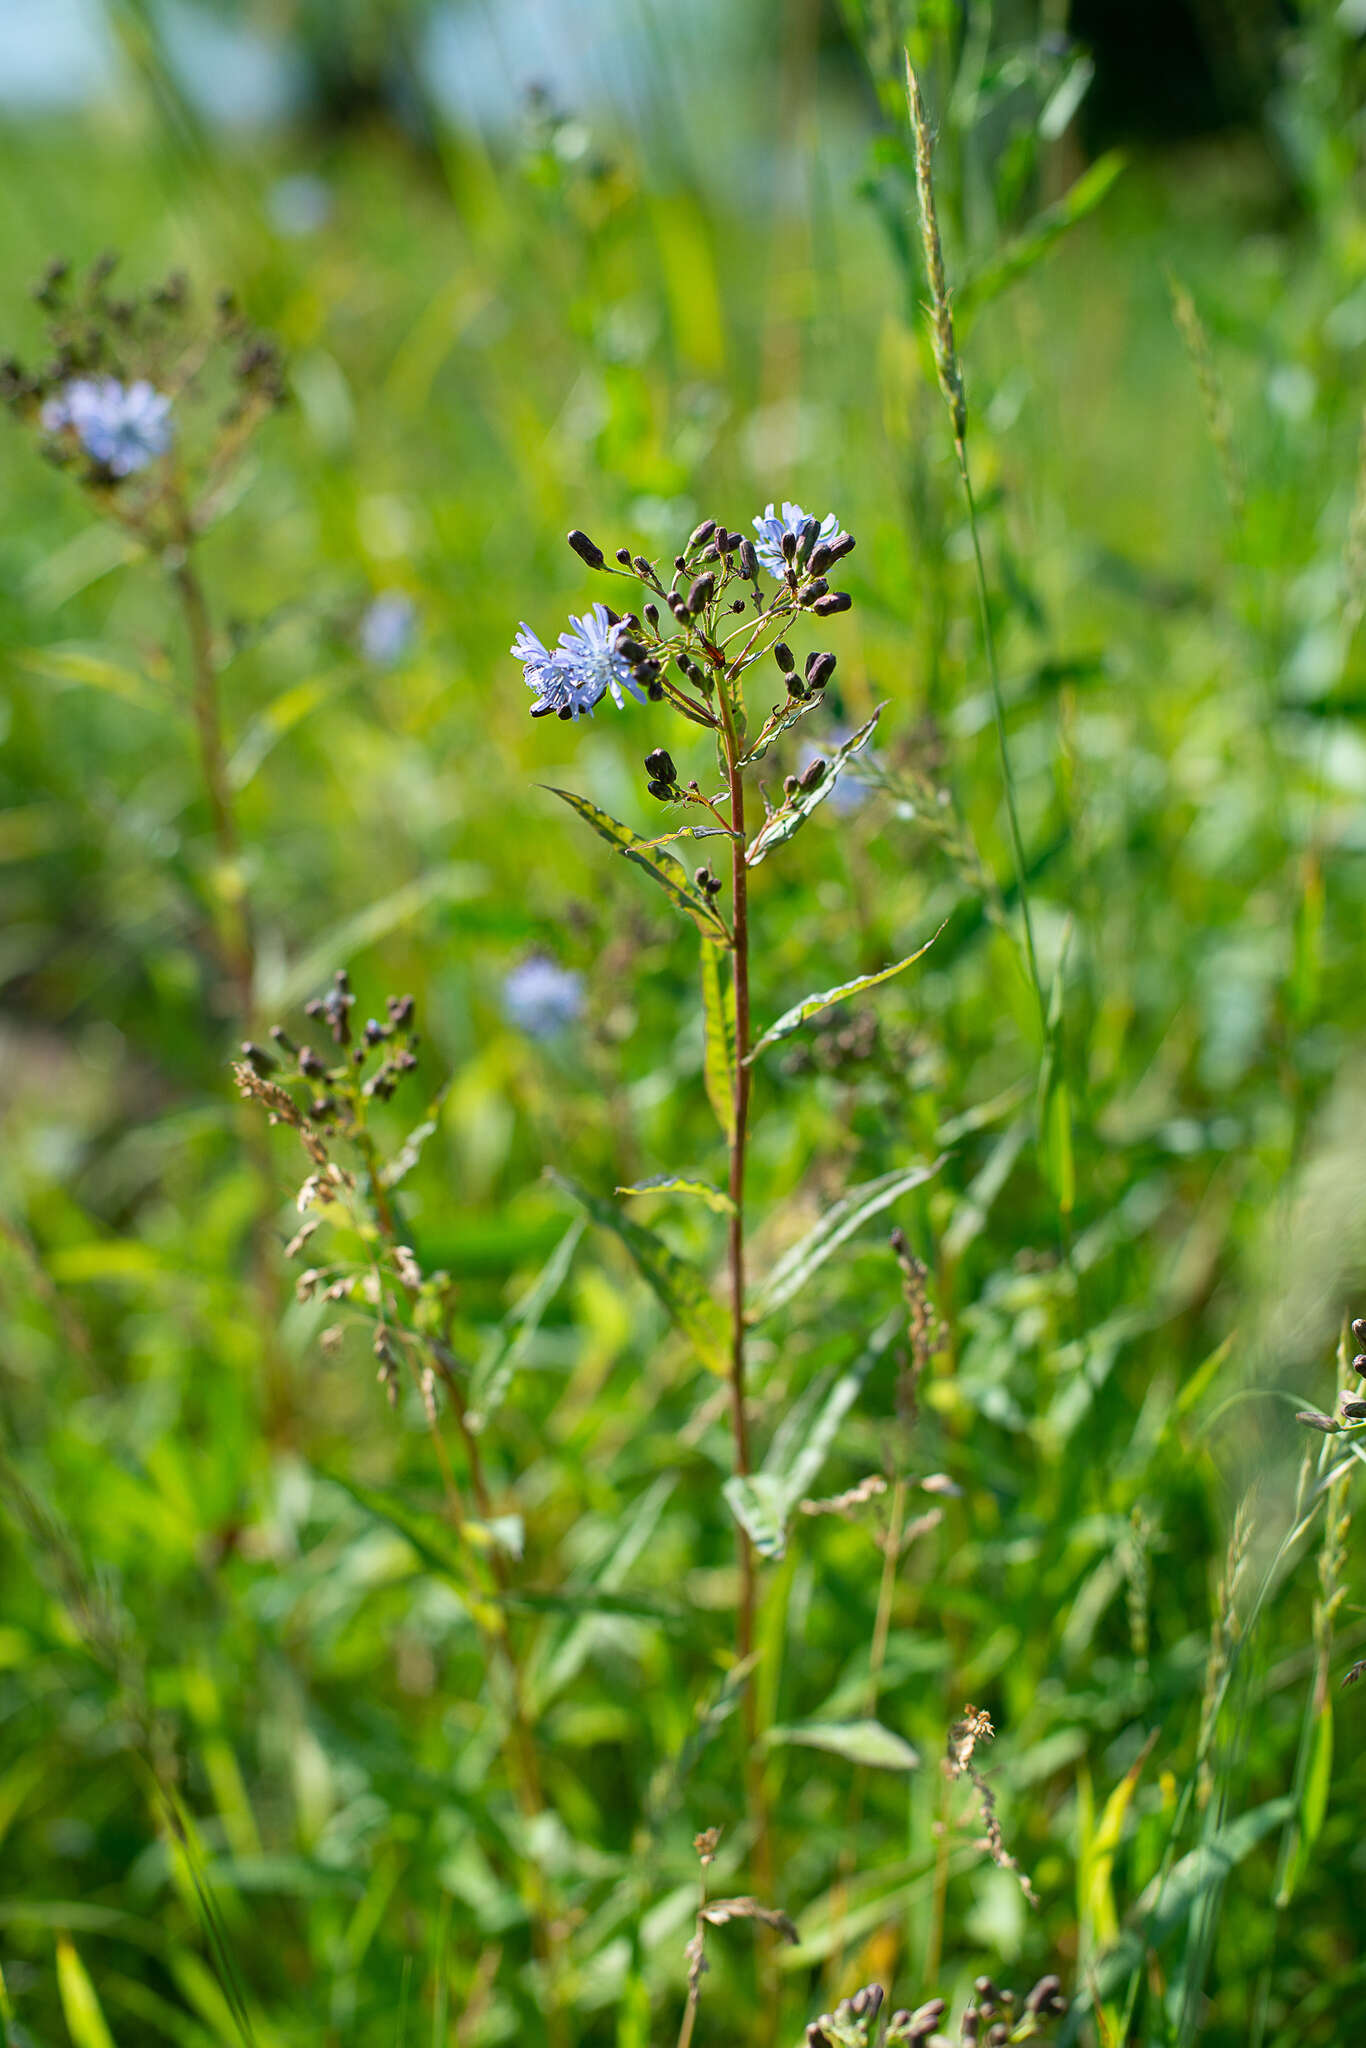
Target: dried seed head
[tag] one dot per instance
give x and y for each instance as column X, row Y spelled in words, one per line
column 784, row 657
column 819, row 669
column 833, row 601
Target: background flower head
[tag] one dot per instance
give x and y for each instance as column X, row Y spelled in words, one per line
column 387, row 627
column 123, row 427
column 542, row 998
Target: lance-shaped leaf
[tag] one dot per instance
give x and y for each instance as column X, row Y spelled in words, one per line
column 679, row 1287
column 839, row 1222
column 718, row 1024
column 762, row 1502
column 778, row 722
column 716, row 1199
column 810, row 1006
column 493, row 1374
column 661, row 867
column 791, row 816
column 858, row 1742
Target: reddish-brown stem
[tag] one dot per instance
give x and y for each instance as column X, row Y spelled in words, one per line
column 755, row 1793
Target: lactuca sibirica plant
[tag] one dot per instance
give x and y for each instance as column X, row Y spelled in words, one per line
column 694, row 638
column 149, row 402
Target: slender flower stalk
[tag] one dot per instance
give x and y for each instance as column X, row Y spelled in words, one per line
column 950, row 374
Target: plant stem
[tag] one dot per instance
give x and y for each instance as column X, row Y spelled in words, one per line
column 232, row 912
column 756, row 1795
column 998, row 709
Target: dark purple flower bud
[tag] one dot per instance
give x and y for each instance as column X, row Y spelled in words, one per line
column 631, row 648
column 642, row 567
column 1312, row 1419
column 813, row 591
column 1359, row 1362
column 661, row 790
column 812, row 775
column 701, row 534
column 310, row 1064
column 784, row 657
column 283, row 1039
column 678, row 607
column 624, row 557
column 400, row 1010
column 1046, row 1996
column 1355, row 1411
column 788, row 546
column 660, row 765
column 1359, row 1329
column 737, row 604
column 256, row 1057
column 821, row 558
column 652, row 617
column 840, row 546
column 749, row 561
column 587, row 550
column 808, row 533
column 700, row 592
column 834, row 601
column 819, row 669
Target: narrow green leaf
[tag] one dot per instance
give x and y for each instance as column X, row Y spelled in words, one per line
column 793, row 1019
column 758, row 1501
column 80, row 2006
column 1313, row 1805
column 780, row 825
column 434, row 1540
column 840, row 1221
column 71, row 663
column 494, row 1372
column 679, row 1287
column 858, row 1742
column 661, row 867
column 718, row 1023
column 779, row 721
column 673, row 1184
column 1027, row 249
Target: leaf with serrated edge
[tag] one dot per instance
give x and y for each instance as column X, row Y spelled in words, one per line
column 775, row 724
column 810, row 1006
column 679, row 1287
column 780, row 827
column 756, row 1499
column 858, row 1742
column 674, row 1184
column 661, row 867
column 839, row 1222
column 718, row 1024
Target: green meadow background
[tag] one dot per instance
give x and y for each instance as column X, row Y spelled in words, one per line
column 687, row 298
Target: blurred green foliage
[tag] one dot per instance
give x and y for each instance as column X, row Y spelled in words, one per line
column 250, row 1779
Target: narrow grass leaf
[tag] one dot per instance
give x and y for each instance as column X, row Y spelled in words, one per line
column 839, row 1223
column 1312, row 1806
column 678, row 1286
column 1026, row 250
column 715, row 1199
column 810, row 1006
column 497, row 1366
column 80, row 2006
column 858, row 1742
column 718, row 1024
column 792, row 815
column 661, row 867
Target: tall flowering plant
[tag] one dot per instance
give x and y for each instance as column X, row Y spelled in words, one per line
column 689, row 638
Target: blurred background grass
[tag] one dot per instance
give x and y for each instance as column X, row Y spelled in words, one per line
column 678, row 283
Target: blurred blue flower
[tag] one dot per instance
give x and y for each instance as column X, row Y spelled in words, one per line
column 770, row 529
column 580, row 671
column 541, row 998
column 122, row 426
column 299, row 205
column 387, row 628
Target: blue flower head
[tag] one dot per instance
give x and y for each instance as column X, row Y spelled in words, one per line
column 770, row 529
column 573, row 677
column 387, row 627
column 123, row 427
column 542, row 998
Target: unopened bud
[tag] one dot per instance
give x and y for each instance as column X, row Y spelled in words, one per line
column 819, row 669
column 1359, row 1362
column 813, row 591
column 1359, row 1329
column 701, row 591
column 821, row 558
column 788, row 547
column 586, row 549
column 835, row 601
column 1046, row 1996
column 256, row 1057
column 701, row 534
column 784, row 657
column 812, row 775
column 749, row 561
column 1312, row 1419
column 660, row 765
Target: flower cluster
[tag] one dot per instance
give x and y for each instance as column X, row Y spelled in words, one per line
column 994, row 2017
column 684, row 637
column 131, row 378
